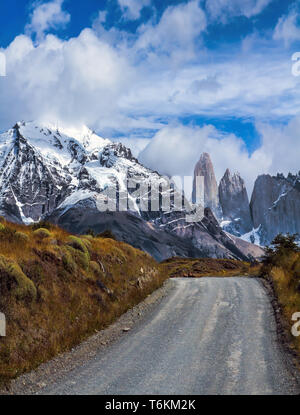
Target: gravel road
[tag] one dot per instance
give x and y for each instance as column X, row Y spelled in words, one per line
column 207, row 336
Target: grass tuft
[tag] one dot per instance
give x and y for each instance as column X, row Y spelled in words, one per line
column 21, row 237
column 14, row 282
column 42, row 233
column 77, row 243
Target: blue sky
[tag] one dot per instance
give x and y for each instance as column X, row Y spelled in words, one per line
column 84, row 12
column 135, row 69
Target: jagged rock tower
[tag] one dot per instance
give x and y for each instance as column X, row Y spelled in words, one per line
column 234, row 202
column 205, row 168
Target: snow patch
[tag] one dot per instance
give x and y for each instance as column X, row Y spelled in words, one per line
column 252, row 236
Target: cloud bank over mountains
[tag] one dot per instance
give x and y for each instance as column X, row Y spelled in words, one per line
column 185, row 144
column 143, row 82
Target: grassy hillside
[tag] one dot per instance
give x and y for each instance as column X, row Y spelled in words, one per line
column 187, row 267
column 56, row 289
column 282, row 269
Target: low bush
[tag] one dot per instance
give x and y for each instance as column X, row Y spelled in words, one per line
column 68, row 261
column 82, row 259
column 280, row 249
column 89, row 237
column 95, row 268
column 42, row 233
column 14, row 281
column 107, row 235
column 42, row 224
column 21, row 237
column 77, row 243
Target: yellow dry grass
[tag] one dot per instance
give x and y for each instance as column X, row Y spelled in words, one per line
column 57, row 289
column 206, row 267
column 285, row 275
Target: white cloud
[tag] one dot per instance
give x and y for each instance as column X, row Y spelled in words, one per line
column 256, row 84
column 79, row 80
column 175, row 151
column 225, row 9
column 46, row 16
column 280, row 147
column 112, row 80
column 132, row 8
column 176, row 32
column 288, row 28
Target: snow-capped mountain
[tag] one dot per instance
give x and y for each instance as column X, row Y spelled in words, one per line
column 42, row 168
column 58, row 174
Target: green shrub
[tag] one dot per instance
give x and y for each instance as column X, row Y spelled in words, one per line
column 43, row 224
column 91, row 233
column 95, row 268
column 13, row 279
column 21, row 237
column 296, row 268
column 87, row 243
column 34, row 270
column 68, row 261
column 107, row 235
column 88, row 236
column 42, row 233
column 78, row 244
column 2, row 219
column 82, row 259
column 2, row 227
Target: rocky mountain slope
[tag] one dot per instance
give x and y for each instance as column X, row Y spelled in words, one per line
column 64, row 176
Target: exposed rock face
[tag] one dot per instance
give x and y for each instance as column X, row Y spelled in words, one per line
column 205, row 168
column 234, row 202
column 275, row 206
column 112, row 152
